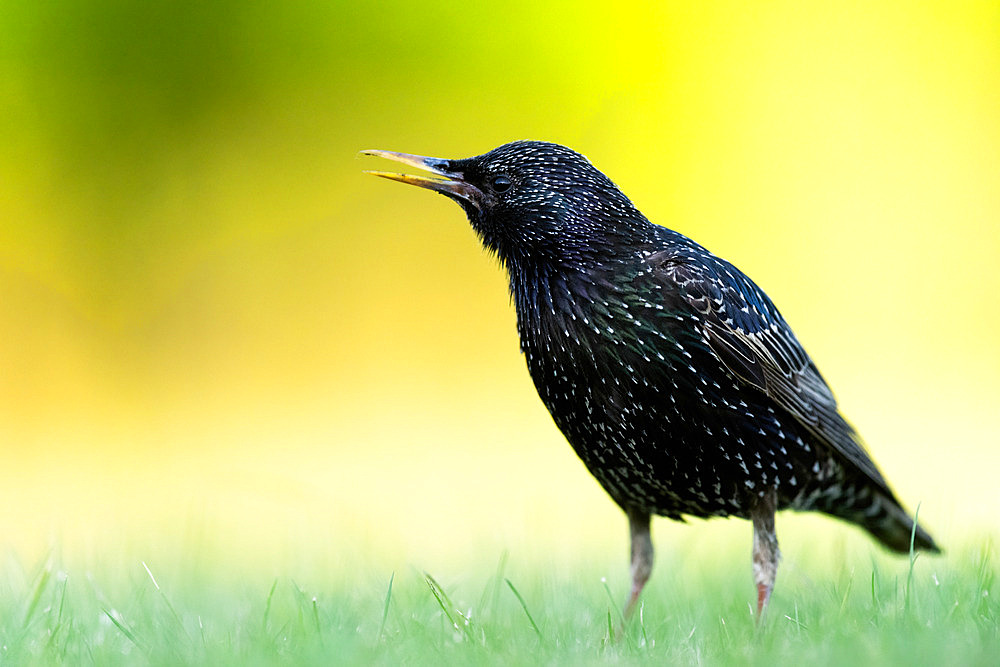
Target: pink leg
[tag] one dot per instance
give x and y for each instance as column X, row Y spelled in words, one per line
column 642, row 556
column 765, row 550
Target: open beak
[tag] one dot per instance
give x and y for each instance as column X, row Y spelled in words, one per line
column 446, row 181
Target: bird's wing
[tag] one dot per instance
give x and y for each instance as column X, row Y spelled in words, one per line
column 749, row 335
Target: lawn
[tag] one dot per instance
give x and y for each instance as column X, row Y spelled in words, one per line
column 883, row 610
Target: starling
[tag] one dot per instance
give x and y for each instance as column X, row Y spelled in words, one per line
column 673, row 376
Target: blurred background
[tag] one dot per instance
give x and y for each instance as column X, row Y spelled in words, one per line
column 219, row 339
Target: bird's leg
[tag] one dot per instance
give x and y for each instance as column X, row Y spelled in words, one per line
column 642, row 555
column 765, row 549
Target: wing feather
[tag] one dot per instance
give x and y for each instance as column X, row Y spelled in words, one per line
column 746, row 331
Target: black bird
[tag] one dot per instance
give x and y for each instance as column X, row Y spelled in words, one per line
column 672, row 375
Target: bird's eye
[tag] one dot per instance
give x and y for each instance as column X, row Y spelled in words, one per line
column 501, row 183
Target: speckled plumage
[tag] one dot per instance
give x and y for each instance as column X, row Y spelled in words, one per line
column 671, row 374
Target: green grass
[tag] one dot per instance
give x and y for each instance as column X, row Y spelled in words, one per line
column 883, row 611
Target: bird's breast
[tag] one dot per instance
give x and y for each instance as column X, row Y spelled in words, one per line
column 611, row 367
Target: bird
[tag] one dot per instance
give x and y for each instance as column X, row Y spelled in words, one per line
column 673, row 376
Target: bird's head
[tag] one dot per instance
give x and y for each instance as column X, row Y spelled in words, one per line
column 529, row 201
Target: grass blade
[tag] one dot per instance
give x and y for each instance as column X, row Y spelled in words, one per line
column 913, row 559
column 36, row 595
column 642, row 624
column 300, row 597
column 124, row 630
column 491, row 593
column 984, row 575
column 799, row 626
column 166, row 600
column 54, row 632
column 622, row 622
column 267, row 605
column 614, row 605
column 315, row 611
column 385, row 609
column 441, row 598
column 524, row 606
column 847, row 593
column 447, row 606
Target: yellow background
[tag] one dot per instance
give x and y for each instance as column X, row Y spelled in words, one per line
column 218, row 336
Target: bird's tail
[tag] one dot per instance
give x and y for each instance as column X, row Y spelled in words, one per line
column 888, row 522
column 876, row 511
column 897, row 530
